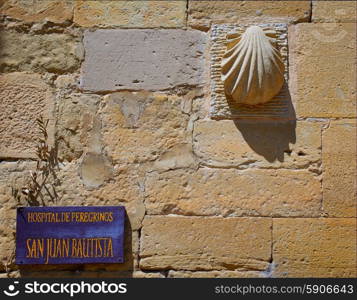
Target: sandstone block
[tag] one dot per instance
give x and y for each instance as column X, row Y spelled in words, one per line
column 339, row 166
column 230, row 192
column 202, row 13
column 216, row 274
column 140, row 274
column 7, row 246
column 322, row 72
column 124, row 188
column 142, row 59
column 265, row 144
column 56, row 53
column 57, row 11
column 143, row 126
column 78, row 126
column 130, row 13
column 196, row 243
column 95, row 170
column 334, row 11
column 24, row 98
column 320, row 247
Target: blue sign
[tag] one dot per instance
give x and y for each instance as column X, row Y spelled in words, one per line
column 70, row 235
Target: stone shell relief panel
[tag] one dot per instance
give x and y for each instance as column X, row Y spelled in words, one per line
column 278, row 108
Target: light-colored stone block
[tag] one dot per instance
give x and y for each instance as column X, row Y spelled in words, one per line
column 78, row 126
column 195, row 243
column 54, row 53
column 266, row 144
column 142, row 59
column 202, row 13
column 321, row 247
column 216, row 274
column 137, row 14
column 339, row 166
column 334, row 11
column 24, row 98
column 322, row 69
column 144, row 126
column 57, row 11
column 230, row 192
column 125, row 187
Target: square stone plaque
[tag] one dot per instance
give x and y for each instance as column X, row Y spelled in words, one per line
column 279, row 108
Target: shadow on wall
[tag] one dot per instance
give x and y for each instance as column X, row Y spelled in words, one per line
column 270, row 137
column 124, row 270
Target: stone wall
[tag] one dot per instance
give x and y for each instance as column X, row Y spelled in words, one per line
column 126, row 87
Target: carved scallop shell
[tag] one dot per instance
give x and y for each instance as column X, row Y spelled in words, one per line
column 252, row 68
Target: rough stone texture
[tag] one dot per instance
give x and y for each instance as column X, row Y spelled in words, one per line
column 195, row 243
column 24, row 98
column 124, row 188
column 322, row 69
column 11, row 175
column 334, row 11
column 146, row 139
column 140, row 274
column 78, row 126
column 339, row 166
column 95, row 170
column 230, row 192
column 321, row 247
column 130, row 13
column 266, row 144
column 142, row 59
column 57, row 11
column 216, row 274
column 141, row 126
column 179, row 156
column 7, row 246
column 202, row 13
column 57, row 53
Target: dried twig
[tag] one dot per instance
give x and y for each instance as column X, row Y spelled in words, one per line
column 43, row 181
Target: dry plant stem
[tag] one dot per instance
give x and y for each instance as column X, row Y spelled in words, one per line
column 37, row 186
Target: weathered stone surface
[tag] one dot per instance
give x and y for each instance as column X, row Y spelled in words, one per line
column 202, row 13
column 54, row 52
column 179, row 156
column 216, row 274
column 7, row 246
column 24, row 98
column 130, row 13
column 141, row 126
column 57, row 11
column 195, row 243
column 124, row 188
column 322, row 72
column 266, row 144
column 11, row 174
column 142, row 59
column 339, row 165
column 334, row 11
column 229, row 192
column 78, row 127
column 320, row 247
column 95, row 170
column 14, row 274
column 140, row 274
